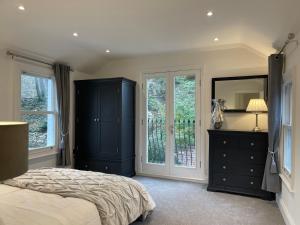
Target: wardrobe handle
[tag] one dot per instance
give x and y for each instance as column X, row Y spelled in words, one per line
column 95, row 120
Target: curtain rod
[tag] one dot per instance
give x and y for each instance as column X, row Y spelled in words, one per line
column 291, row 37
column 31, row 59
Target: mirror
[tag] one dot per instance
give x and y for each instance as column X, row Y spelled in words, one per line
column 237, row 91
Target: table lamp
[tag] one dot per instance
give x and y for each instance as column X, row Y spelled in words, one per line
column 257, row 106
column 13, row 149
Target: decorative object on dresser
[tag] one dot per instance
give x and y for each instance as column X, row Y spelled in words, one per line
column 105, row 126
column 13, row 149
column 237, row 161
column 217, row 113
column 257, row 106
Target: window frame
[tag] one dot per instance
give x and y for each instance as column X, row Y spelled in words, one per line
column 286, row 175
column 43, row 72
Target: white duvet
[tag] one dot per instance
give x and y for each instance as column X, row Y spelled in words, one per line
column 26, row 207
column 118, row 200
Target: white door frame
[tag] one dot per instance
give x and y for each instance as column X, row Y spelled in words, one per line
column 169, row 169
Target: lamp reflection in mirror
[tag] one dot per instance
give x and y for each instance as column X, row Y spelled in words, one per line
column 257, row 106
column 13, row 149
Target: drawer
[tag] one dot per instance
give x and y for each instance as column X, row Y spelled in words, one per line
column 105, row 167
column 239, row 157
column 222, row 156
column 255, row 157
column 244, row 170
column 236, row 181
column 223, row 141
column 254, row 142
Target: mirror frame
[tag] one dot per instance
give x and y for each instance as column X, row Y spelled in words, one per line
column 213, row 88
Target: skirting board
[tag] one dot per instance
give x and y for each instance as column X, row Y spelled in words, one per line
column 205, row 181
column 285, row 213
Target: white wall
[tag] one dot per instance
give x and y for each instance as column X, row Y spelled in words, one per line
column 226, row 62
column 289, row 202
column 7, row 103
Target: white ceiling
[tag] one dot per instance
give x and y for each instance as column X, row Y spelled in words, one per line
column 135, row 27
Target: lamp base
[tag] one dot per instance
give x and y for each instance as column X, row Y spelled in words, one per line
column 256, row 129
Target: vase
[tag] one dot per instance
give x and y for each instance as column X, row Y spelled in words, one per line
column 217, row 113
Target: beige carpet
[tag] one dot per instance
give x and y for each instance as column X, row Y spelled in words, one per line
column 184, row 203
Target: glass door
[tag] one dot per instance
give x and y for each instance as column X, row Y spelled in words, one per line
column 156, row 157
column 171, row 131
column 185, row 127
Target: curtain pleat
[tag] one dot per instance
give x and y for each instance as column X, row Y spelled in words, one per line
column 62, row 79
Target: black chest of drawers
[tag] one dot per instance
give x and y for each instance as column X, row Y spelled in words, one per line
column 237, row 161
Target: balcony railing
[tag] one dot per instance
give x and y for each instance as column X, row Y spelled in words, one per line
column 184, row 142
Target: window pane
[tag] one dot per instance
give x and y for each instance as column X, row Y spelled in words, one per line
column 41, row 130
column 184, row 121
column 36, row 93
column 287, row 149
column 156, row 119
column 287, row 107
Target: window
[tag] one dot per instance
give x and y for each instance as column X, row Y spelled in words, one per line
column 287, row 128
column 37, row 108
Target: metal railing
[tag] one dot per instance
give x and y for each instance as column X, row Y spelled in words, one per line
column 184, row 142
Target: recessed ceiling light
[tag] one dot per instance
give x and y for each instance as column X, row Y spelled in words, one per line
column 210, row 13
column 216, row 39
column 75, row 34
column 107, row 51
column 21, row 7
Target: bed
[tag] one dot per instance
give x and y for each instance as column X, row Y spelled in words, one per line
column 72, row 197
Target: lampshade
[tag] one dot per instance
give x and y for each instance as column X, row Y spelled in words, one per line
column 257, row 105
column 13, row 149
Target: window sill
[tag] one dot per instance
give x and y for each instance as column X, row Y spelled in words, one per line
column 42, row 152
column 287, row 182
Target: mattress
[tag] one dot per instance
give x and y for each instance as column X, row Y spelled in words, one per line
column 24, row 207
column 119, row 200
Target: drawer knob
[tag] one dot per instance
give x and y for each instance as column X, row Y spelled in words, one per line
column 86, row 166
column 252, row 144
column 224, row 179
column 251, row 157
column 251, row 170
column 224, row 155
column 251, row 182
column 106, row 167
column 224, row 142
column 224, row 167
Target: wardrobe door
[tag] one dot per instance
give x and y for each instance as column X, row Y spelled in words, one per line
column 87, row 119
column 109, row 120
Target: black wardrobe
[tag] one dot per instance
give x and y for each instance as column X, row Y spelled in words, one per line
column 105, row 126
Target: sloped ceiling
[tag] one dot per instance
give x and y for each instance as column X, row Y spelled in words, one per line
column 136, row 27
